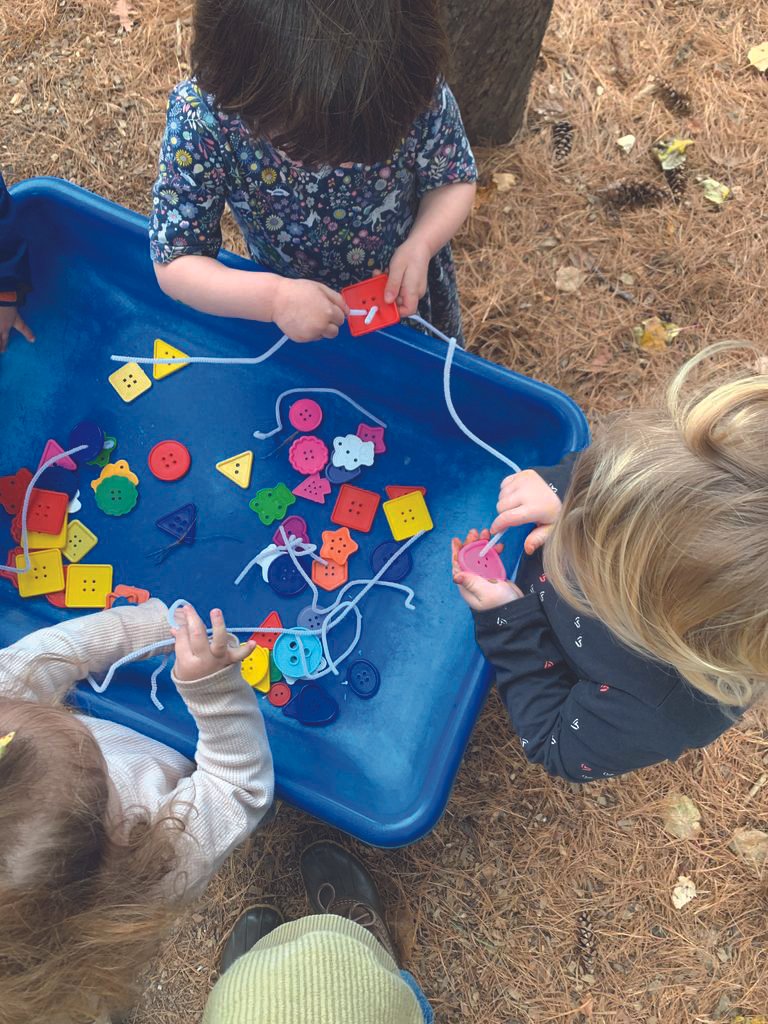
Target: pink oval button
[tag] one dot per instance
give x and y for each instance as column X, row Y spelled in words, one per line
column 305, row 415
column 308, row 455
column 489, row 566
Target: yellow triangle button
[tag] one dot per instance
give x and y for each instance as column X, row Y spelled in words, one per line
column 237, row 468
column 165, row 351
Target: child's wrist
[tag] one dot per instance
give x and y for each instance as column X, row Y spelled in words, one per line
column 9, row 298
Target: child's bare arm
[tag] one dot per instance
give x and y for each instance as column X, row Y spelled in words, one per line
column 442, row 211
column 46, row 664
column 304, row 310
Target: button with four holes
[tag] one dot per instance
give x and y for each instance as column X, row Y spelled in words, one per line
column 401, row 566
column 407, row 515
column 44, row 576
column 129, row 382
column 284, row 578
column 305, row 415
column 489, row 566
column 88, row 586
column 298, row 654
column 47, row 510
column 311, row 618
column 308, row 454
column 355, row 508
column 169, row 460
column 363, row 678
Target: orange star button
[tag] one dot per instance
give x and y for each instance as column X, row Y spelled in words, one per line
column 338, row 545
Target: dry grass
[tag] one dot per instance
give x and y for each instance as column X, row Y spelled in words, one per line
column 486, row 906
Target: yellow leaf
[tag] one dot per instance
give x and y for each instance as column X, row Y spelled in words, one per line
column 569, row 279
column 504, row 181
column 671, row 152
column 683, row 892
column 715, row 191
column 682, row 818
column 758, row 57
column 627, row 143
column 654, row 334
column 5, row 742
column 752, row 845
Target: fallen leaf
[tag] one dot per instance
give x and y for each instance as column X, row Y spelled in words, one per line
column 602, row 358
column 682, row 818
column 124, row 13
column 504, row 181
column 627, row 143
column 569, row 279
column 715, row 191
column 683, row 892
column 671, row 152
column 752, row 845
column 758, row 57
column 654, row 334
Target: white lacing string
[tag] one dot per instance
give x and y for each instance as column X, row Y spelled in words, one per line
column 223, row 361
column 263, row 436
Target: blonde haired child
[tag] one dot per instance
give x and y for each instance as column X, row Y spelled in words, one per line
column 643, row 631
column 104, row 832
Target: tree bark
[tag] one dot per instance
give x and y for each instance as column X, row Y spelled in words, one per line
column 494, row 45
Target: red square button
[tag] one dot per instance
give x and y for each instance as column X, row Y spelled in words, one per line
column 364, row 296
column 46, row 510
column 355, row 508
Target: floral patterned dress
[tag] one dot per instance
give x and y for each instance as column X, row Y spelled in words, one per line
column 332, row 224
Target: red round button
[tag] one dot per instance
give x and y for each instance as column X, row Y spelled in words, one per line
column 169, row 460
column 279, row 694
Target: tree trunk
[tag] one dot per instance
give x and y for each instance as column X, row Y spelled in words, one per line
column 494, row 46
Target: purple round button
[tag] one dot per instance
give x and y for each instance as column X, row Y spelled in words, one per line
column 284, row 578
column 295, row 526
column 91, row 435
column 363, row 678
column 57, row 479
column 310, row 618
column 399, row 568
column 338, row 475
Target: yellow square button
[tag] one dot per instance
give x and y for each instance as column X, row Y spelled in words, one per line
column 80, row 540
column 44, row 576
column 130, row 381
column 88, row 586
column 43, row 541
column 407, row 515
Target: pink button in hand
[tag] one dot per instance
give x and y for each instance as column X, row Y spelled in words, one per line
column 489, row 565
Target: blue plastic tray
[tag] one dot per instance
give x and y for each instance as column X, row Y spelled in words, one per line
column 383, row 771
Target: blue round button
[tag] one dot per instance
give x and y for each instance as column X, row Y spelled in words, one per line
column 339, row 475
column 363, row 679
column 91, row 435
column 399, row 568
column 284, row 578
column 310, row 618
column 287, row 654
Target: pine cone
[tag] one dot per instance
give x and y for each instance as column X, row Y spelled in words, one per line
column 632, row 195
column 676, row 102
column 677, row 182
column 562, row 140
column 585, row 942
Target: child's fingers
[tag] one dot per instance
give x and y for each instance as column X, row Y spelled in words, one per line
column 198, row 634
column 22, row 328
column 336, row 299
column 514, row 517
column 181, row 637
column 395, row 276
column 239, row 653
column 536, row 538
column 219, row 637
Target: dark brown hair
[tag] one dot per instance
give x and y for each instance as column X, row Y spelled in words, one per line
column 80, row 913
column 327, row 81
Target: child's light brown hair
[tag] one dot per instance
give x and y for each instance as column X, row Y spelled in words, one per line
column 80, row 915
column 663, row 534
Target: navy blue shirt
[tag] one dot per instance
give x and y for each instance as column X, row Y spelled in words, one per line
column 583, row 704
column 14, row 267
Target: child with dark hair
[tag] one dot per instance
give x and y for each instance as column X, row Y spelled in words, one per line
column 14, row 272
column 328, row 129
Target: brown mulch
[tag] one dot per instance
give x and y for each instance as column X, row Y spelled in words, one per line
column 486, row 907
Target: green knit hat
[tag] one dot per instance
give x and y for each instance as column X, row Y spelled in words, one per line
column 317, row 970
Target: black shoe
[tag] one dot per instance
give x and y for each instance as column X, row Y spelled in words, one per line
column 337, row 883
column 252, row 925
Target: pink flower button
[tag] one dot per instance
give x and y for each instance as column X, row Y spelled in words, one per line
column 308, row 455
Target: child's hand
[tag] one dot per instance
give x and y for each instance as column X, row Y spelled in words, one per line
column 197, row 656
column 407, row 274
column 526, row 498
column 9, row 318
column 307, row 310
column 479, row 593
